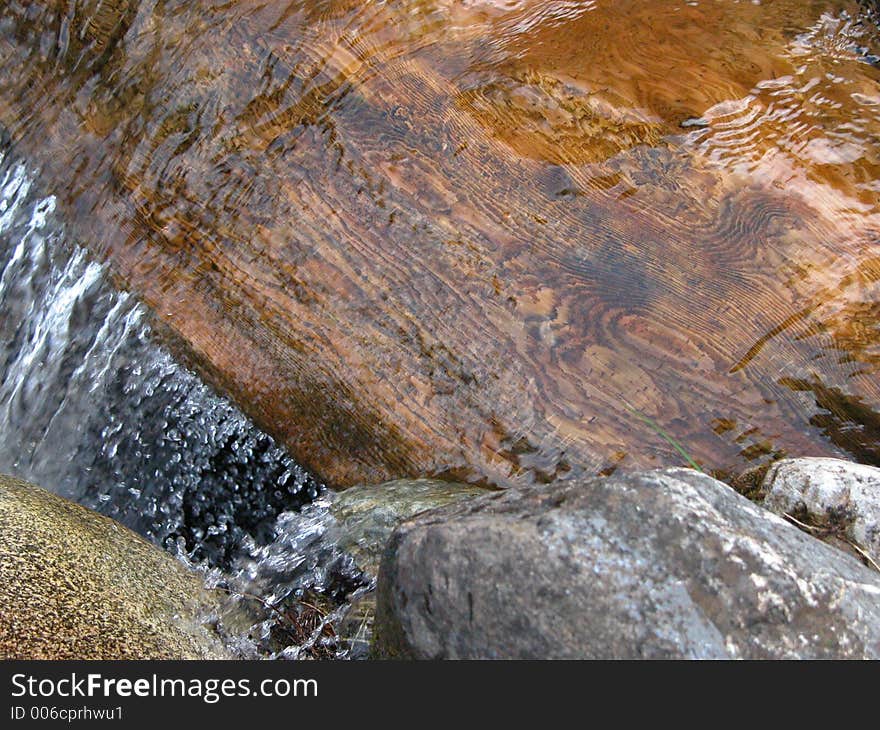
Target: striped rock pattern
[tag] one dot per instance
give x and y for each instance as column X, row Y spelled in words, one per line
column 497, row 242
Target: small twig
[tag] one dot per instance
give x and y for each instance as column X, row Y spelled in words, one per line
column 322, row 613
column 864, row 555
column 293, row 626
column 804, row 525
column 825, row 531
column 253, row 597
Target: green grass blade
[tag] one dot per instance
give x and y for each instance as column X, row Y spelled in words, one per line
column 665, row 436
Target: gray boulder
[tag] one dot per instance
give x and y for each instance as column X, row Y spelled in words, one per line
column 667, row 564
column 364, row 517
column 840, row 496
column 77, row 585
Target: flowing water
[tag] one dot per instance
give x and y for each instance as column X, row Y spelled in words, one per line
column 94, row 408
column 506, row 241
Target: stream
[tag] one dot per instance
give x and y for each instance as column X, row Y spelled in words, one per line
column 92, row 407
column 503, row 243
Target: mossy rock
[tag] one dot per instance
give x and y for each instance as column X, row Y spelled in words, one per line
column 77, row 585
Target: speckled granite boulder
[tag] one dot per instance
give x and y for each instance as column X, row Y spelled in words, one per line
column 665, row 564
column 77, row 585
column 841, row 496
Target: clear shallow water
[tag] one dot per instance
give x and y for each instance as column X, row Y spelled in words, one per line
column 502, row 241
column 473, row 238
column 94, row 409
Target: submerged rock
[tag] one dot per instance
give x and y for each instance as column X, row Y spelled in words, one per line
column 839, row 497
column 454, row 237
column 368, row 514
column 364, row 519
column 664, row 564
column 77, row 585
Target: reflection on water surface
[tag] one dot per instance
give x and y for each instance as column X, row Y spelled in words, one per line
column 478, row 238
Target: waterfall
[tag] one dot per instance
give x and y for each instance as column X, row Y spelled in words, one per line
column 94, row 408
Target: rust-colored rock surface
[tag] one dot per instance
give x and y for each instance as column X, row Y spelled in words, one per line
column 497, row 241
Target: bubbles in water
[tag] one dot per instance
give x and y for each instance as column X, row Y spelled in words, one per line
column 305, row 582
column 94, row 409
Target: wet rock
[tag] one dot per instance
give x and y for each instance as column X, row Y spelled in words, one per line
column 368, row 514
column 77, row 585
column 462, row 293
column 839, row 497
column 364, row 519
column 665, row 564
